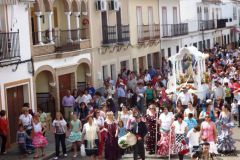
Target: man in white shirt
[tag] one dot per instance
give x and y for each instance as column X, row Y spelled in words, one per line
column 218, row 91
column 185, row 97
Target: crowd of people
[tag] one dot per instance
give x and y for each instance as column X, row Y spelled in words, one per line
column 164, row 123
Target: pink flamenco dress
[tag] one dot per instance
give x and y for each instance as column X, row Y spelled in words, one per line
column 39, row 141
column 166, row 143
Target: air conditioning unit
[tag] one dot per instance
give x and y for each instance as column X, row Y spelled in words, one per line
column 101, row 5
column 114, row 5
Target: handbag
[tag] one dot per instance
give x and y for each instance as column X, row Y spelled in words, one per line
column 83, row 153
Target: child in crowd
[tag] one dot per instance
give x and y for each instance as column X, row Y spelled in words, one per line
column 75, row 135
column 3, row 130
column 121, row 129
column 121, row 132
column 21, row 140
column 234, row 109
column 39, row 141
column 60, row 127
column 43, row 119
column 194, row 138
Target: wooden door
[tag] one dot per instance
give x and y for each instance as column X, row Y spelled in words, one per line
column 15, row 101
column 64, row 85
column 119, row 24
column 141, row 64
column 104, row 27
column 156, row 60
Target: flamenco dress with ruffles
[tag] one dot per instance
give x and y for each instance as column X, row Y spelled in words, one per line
column 225, row 143
column 39, row 141
column 75, row 135
column 151, row 136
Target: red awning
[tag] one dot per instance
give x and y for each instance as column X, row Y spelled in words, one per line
column 235, row 29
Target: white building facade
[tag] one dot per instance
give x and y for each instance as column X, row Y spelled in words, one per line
column 15, row 61
column 201, row 23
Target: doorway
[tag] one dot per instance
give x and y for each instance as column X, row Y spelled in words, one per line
column 64, row 85
column 15, row 101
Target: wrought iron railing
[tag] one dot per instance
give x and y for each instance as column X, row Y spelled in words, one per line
column 109, row 35
column 206, row 25
column 45, row 37
column 68, row 40
column 221, row 23
column 143, row 33
column 123, row 33
column 154, row 31
column 172, row 30
column 64, row 40
column 9, row 45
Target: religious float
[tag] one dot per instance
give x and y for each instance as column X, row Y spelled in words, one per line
column 188, row 69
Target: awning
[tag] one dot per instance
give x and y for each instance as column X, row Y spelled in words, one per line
column 235, row 29
column 8, row 2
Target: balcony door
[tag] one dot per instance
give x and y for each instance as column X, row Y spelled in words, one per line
column 206, row 15
column 164, row 21
column 139, row 22
column 104, row 27
column 119, row 25
column 175, row 16
column 150, row 21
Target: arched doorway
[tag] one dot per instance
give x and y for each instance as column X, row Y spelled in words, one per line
column 45, row 91
column 83, row 75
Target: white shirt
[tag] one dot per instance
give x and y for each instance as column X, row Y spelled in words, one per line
column 193, row 138
column 219, row 92
column 59, row 126
column 124, row 118
column 180, row 128
column 37, row 127
column 86, row 98
column 99, row 122
column 187, row 111
column 26, row 120
column 185, row 98
column 147, row 78
column 166, row 120
column 79, row 100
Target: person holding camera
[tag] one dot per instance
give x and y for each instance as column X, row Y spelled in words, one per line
column 203, row 153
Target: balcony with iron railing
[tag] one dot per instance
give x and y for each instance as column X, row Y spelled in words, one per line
column 123, row 34
column 174, row 30
column 143, row 33
column 206, row 25
column 61, row 41
column 109, row 34
column 148, row 32
column 212, row 1
column 221, row 23
column 9, row 46
column 154, row 32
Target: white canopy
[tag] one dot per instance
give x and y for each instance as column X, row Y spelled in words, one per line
column 190, row 51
